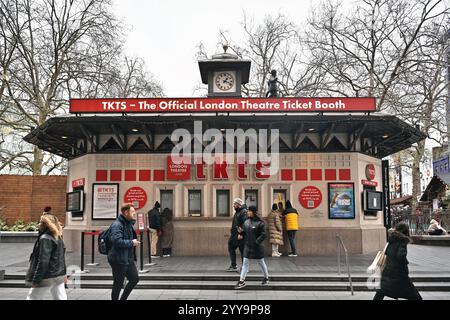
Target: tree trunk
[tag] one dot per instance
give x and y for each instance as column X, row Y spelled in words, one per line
column 417, row 158
column 38, row 158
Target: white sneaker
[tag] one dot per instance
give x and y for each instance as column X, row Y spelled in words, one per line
column 166, row 255
column 155, row 257
column 275, row 255
column 292, row 255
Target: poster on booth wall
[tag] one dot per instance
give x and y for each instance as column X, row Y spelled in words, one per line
column 341, row 201
column 105, row 201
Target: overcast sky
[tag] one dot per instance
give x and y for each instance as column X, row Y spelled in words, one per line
column 165, row 33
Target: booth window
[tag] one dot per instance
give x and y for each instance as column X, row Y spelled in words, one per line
column 223, row 203
column 166, row 199
column 279, row 195
column 195, row 203
column 251, row 198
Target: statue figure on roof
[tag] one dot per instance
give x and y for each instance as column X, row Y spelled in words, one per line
column 273, row 85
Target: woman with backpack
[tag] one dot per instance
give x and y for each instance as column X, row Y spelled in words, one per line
column 47, row 271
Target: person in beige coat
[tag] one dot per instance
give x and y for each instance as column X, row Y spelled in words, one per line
column 275, row 230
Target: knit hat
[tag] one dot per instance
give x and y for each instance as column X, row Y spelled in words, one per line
column 239, row 201
column 157, row 205
column 47, row 209
column 253, row 209
column 274, row 207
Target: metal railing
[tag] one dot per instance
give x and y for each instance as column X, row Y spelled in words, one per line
column 419, row 221
column 340, row 245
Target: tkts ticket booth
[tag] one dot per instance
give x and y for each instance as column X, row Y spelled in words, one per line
column 330, row 163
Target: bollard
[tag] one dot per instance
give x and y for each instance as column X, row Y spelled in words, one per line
column 93, row 263
column 82, row 254
column 149, row 242
column 141, row 252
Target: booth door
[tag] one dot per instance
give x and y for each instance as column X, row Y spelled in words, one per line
column 279, row 195
column 251, row 198
column 167, row 199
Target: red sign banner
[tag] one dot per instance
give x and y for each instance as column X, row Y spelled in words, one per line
column 78, row 183
column 369, row 183
column 194, row 105
column 310, row 197
column 178, row 170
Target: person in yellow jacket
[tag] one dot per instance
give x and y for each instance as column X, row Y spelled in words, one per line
column 291, row 219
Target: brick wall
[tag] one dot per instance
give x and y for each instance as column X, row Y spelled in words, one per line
column 24, row 197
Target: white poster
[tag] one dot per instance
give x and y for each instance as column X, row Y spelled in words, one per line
column 105, row 201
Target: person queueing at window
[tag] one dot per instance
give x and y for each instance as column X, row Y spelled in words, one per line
column 240, row 215
column 275, row 230
column 291, row 218
column 253, row 234
column 155, row 226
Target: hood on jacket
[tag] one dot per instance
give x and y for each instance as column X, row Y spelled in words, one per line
column 288, row 204
column 396, row 236
column 50, row 223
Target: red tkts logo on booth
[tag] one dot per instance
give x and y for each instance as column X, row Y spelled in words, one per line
column 136, row 196
column 178, row 170
column 78, row 183
column 310, row 197
column 370, row 172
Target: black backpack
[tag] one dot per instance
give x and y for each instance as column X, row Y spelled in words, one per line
column 104, row 243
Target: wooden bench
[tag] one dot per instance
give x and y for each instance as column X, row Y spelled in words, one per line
column 428, row 240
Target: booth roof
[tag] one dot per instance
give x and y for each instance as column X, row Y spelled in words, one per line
column 61, row 135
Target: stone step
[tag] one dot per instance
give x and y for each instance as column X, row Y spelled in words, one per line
column 251, row 285
column 234, row 276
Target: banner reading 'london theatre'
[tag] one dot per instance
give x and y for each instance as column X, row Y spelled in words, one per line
column 160, row 105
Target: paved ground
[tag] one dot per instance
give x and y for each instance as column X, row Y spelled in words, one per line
column 105, row 294
column 423, row 260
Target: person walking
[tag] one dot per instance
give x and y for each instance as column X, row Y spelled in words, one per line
column 291, row 218
column 155, row 226
column 395, row 282
column 47, row 270
column 167, row 232
column 275, row 230
column 240, row 215
column 254, row 234
column 122, row 255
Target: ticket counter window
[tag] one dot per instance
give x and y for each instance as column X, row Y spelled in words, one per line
column 251, row 198
column 166, row 199
column 279, row 195
column 223, row 203
column 195, row 203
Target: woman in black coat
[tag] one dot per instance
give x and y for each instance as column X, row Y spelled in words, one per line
column 395, row 281
column 253, row 233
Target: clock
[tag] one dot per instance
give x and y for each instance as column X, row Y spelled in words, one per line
column 224, row 81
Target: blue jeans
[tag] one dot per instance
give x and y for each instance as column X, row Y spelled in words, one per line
column 291, row 236
column 246, row 264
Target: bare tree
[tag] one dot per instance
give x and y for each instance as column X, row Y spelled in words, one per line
column 52, row 51
column 386, row 49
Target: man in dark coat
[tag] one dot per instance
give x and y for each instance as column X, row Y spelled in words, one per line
column 122, row 255
column 155, row 226
column 234, row 243
column 395, row 281
column 254, row 234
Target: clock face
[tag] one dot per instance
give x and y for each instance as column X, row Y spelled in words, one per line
column 224, row 81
